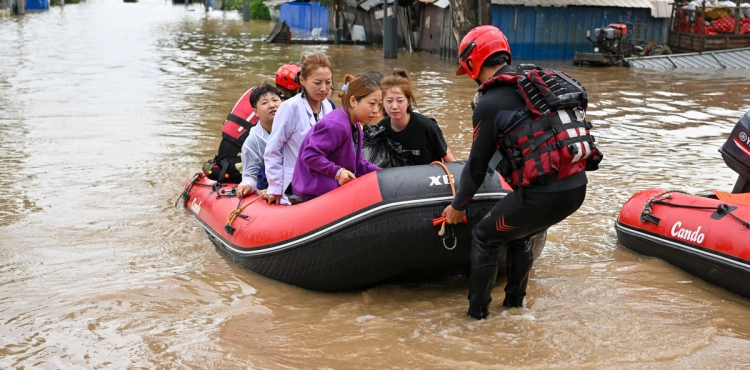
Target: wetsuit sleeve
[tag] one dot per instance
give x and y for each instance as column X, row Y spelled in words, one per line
column 482, row 149
column 283, row 127
column 322, row 140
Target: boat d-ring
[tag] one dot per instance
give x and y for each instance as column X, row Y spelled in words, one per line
column 455, row 242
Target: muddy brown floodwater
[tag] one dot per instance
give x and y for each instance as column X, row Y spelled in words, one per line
column 107, row 108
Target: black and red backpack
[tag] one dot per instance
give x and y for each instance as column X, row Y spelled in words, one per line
column 550, row 138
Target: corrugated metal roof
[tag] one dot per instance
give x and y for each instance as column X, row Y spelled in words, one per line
column 614, row 3
column 367, row 4
column 271, row 3
column 734, row 58
column 439, row 3
column 659, row 8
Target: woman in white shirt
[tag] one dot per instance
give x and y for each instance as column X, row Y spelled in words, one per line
column 265, row 100
column 294, row 118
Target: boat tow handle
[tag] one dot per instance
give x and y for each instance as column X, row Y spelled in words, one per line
column 441, row 220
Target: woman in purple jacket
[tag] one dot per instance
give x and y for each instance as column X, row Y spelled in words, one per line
column 331, row 153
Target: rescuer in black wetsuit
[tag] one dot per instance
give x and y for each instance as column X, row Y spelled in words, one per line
column 483, row 53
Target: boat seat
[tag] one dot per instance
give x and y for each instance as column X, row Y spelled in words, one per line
column 741, row 198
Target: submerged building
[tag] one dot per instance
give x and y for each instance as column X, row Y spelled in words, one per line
column 536, row 29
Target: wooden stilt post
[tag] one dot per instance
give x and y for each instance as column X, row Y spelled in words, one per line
column 737, row 11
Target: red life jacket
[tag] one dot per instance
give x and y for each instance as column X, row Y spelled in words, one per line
column 240, row 120
column 554, row 142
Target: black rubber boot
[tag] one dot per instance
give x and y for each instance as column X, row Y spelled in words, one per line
column 483, row 260
column 519, row 260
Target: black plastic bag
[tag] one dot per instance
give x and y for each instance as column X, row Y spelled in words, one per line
column 381, row 150
column 224, row 169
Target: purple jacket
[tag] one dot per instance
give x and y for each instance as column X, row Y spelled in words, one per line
column 326, row 148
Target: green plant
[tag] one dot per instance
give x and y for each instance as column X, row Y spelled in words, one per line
column 258, row 10
column 233, row 5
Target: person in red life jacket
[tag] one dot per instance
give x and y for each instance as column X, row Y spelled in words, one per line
column 226, row 166
column 420, row 136
column 544, row 194
column 265, row 100
column 331, row 153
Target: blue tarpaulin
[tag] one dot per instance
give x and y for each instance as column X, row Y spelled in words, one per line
column 303, row 18
column 37, row 5
column 537, row 33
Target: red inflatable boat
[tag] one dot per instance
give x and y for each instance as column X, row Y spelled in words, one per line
column 707, row 236
column 378, row 227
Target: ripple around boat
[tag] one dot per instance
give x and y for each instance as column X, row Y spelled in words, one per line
column 376, row 228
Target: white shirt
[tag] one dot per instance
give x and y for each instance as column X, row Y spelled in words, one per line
column 252, row 155
column 293, row 120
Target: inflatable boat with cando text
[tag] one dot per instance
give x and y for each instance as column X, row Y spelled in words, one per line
column 707, row 236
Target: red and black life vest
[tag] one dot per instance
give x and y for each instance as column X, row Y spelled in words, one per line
column 554, row 142
column 240, row 120
column 226, row 166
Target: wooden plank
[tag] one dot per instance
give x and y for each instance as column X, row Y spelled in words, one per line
column 452, row 43
column 432, row 27
column 683, row 42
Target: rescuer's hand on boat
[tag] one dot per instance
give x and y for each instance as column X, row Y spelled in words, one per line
column 452, row 215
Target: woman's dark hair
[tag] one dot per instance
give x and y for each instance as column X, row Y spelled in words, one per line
column 358, row 87
column 375, row 75
column 378, row 77
column 400, row 79
column 261, row 91
column 310, row 63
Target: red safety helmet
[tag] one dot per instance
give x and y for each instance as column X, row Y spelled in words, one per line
column 285, row 76
column 477, row 46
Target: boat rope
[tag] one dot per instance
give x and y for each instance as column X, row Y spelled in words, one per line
column 441, row 220
column 237, row 213
column 647, row 209
column 185, row 195
column 647, row 216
